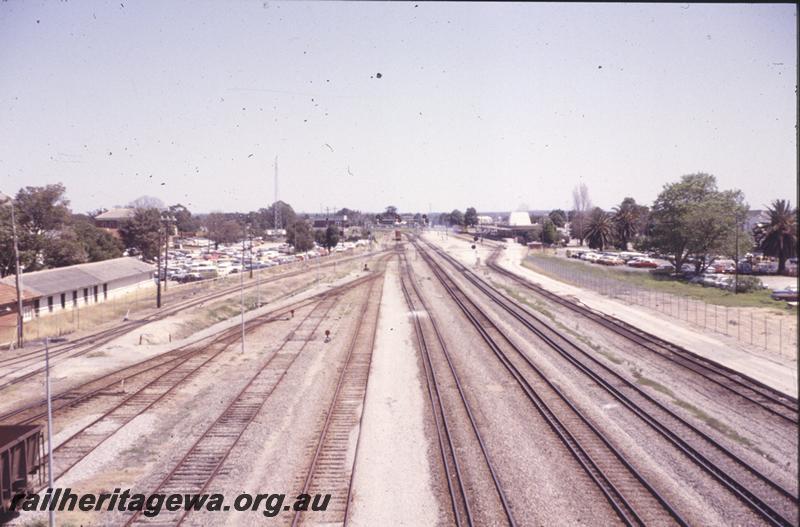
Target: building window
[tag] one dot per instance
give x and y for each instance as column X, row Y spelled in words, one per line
column 36, row 307
column 85, row 295
column 50, row 304
column 75, row 298
column 63, row 300
column 95, row 294
column 105, row 291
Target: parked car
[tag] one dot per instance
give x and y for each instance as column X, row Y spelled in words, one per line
column 723, row 266
column 607, row 259
column 788, row 294
column 643, row 263
column 590, row 257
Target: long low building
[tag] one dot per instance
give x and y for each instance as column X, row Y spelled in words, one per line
column 71, row 287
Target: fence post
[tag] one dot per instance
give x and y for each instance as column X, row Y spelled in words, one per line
column 726, row 320
column 739, row 323
column 715, row 317
column 780, row 335
column 765, row 332
column 751, row 327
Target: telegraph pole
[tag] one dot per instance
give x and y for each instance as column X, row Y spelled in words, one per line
column 166, row 258
column 52, row 514
column 275, row 212
column 241, row 286
column 158, row 271
column 17, row 279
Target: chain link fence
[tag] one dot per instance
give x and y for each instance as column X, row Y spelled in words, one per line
column 751, row 326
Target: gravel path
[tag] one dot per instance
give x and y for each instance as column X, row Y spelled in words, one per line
column 392, row 483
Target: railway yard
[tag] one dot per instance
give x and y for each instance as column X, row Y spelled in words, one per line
column 432, row 381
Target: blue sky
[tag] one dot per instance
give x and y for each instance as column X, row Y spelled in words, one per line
column 486, row 105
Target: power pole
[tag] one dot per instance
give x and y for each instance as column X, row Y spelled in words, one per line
column 275, row 212
column 736, row 259
column 166, row 258
column 17, row 279
column 241, row 287
column 158, row 271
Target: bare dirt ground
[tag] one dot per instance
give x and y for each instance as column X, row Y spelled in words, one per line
column 772, row 369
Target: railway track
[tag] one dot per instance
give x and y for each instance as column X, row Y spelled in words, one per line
column 471, row 498
column 79, row 445
column 109, row 385
column 765, row 497
column 204, row 459
column 89, row 343
column 747, row 389
column 627, row 491
column 332, row 465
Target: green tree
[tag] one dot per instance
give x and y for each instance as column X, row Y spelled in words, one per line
column 455, row 218
column 42, row 209
column 63, row 248
column 141, row 233
column 599, row 232
column 693, row 219
column 98, row 244
column 185, row 223
column 299, row 236
column 331, row 238
column 628, row 222
column 549, row 232
column 558, row 217
column 778, row 237
column 223, row 228
column 471, row 217
column 266, row 218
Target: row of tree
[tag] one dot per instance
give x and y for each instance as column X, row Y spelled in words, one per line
column 49, row 234
column 690, row 220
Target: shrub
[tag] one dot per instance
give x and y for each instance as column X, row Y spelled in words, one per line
column 747, row 284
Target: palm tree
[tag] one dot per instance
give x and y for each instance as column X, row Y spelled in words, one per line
column 599, row 230
column 778, row 237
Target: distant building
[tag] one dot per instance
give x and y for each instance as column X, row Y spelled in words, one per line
column 113, row 219
column 485, row 220
column 519, row 219
column 79, row 285
column 8, row 307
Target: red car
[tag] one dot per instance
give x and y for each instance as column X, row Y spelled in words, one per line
column 643, row 262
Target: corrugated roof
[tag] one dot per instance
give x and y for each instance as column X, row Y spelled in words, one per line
column 116, row 268
column 8, row 293
column 53, row 281
column 116, row 214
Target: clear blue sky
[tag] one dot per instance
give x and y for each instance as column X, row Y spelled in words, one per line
column 490, row 105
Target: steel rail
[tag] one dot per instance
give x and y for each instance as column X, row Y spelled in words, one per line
column 73, row 396
column 727, row 378
column 435, row 395
column 616, row 498
column 84, row 441
column 743, row 493
column 95, row 340
column 203, row 460
column 344, row 401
